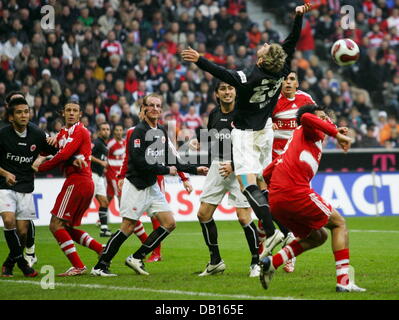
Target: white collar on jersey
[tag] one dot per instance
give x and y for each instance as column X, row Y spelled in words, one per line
column 22, row 134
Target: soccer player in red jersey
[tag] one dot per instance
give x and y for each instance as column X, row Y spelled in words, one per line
column 77, row 191
column 156, row 253
column 284, row 124
column 116, row 151
column 297, row 206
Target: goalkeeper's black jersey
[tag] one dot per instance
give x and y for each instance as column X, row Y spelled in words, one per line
column 257, row 90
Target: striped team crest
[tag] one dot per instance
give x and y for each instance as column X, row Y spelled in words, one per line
column 137, row 143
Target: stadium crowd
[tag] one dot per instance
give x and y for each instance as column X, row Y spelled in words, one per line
column 108, row 55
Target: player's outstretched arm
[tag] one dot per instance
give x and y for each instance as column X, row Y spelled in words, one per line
column 290, row 42
column 229, row 76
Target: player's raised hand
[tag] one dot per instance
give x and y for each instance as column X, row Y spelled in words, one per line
column 187, row 186
column 343, row 141
column 301, row 10
column 190, row 55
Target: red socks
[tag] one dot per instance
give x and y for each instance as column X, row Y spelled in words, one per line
column 288, row 252
column 66, row 243
column 139, row 231
column 83, row 238
column 342, row 266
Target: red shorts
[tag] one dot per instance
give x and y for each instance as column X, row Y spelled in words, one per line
column 302, row 212
column 74, row 199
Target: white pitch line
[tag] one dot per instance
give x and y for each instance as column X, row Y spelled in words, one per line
column 377, row 231
column 179, row 292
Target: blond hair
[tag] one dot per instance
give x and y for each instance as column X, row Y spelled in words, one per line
column 274, row 59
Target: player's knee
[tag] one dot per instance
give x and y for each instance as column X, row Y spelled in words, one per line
column 170, row 226
column 9, row 222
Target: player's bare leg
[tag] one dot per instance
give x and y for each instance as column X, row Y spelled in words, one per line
column 340, row 247
column 209, row 230
column 15, row 247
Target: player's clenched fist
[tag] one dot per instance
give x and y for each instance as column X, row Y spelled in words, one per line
column 190, row 55
column 300, row 10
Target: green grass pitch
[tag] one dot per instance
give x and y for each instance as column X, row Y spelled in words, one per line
column 374, row 256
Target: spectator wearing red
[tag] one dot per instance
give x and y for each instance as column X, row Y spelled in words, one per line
column 219, row 57
column 375, row 36
column 234, row 6
column 306, row 40
column 174, row 115
column 254, row 35
column 169, row 43
column 131, row 83
column 112, row 45
column 192, row 120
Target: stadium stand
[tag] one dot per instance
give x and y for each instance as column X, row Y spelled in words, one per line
column 108, row 54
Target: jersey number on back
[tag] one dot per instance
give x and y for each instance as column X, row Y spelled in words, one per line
column 265, row 92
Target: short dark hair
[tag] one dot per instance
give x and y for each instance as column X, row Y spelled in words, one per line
column 310, row 108
column 9, row 96
column 117, row 125
column 101, row 124
column 72, row 102
column 15, row 102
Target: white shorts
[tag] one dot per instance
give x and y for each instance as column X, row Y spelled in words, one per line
column 252, row 150
column 99, row 185
column 21, row 204
column 135, row 202
column 215, row 188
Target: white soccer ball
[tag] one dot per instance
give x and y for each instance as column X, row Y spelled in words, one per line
column 345, row 52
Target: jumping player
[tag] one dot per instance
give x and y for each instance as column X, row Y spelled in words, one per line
column 257, row 92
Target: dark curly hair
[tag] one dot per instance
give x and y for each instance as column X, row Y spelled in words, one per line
column 310, row 108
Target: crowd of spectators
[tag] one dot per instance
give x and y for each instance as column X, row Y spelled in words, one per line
column 365, row 96
column 108, row 54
